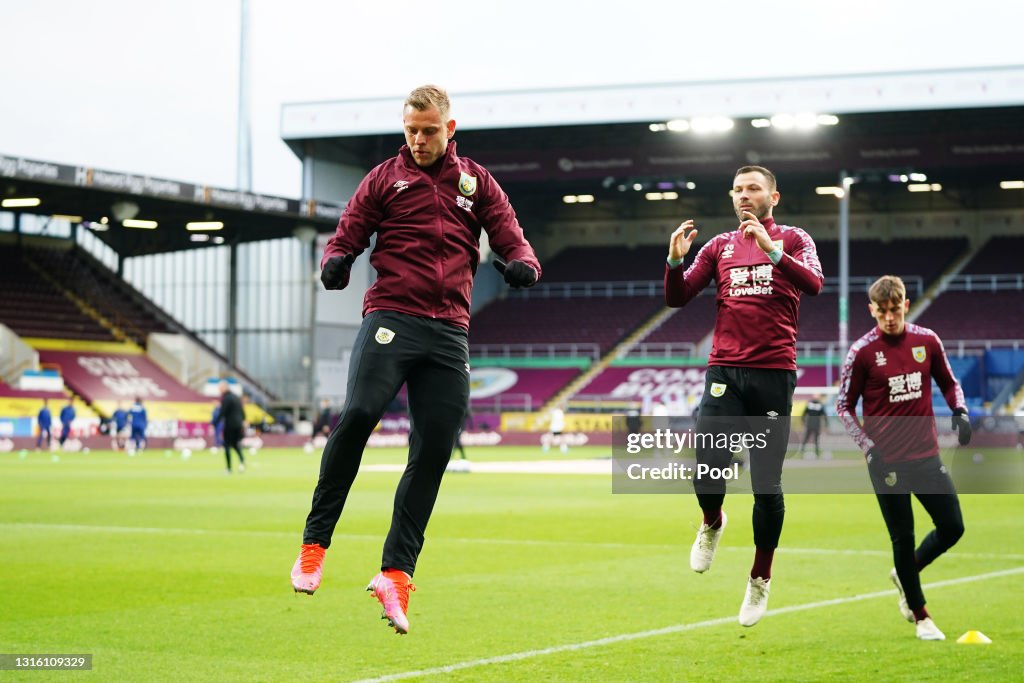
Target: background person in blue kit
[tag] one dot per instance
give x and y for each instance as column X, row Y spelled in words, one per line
column 118, row 425
column 139, row 422
column 67, row 416
column 44, row 421
column 427, row 206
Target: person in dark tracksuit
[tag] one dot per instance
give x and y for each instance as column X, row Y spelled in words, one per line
column 892, row 367
column 814, row 420
column 760, row 270
column 231, row 418
column 427, row 206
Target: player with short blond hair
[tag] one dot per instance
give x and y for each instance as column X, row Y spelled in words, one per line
column 891, row 369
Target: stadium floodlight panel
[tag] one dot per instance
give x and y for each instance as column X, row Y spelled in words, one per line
column 197, row 226
column 67, row 217
column 659, row 196
column 831, row 190
column 828, row 120
column 712, row 124
column 1011, row 185
column 924, row 187
column 21, row 202
column 678, row 125
column 805, row 121
column 199, row 237
column 578, row 199
column 139, row 223
column 761, row 123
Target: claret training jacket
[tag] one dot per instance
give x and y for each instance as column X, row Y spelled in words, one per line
column 428, row 224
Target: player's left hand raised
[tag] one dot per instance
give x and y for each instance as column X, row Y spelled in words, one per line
column 752, row 227
column 962, row 426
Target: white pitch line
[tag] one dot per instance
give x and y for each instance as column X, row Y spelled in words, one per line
column 1014, row 557
column 625, row 637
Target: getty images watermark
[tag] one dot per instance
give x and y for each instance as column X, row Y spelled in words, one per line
column 659, row 447
column 767, row 454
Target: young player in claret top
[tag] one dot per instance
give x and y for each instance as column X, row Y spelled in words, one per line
column 891, row 368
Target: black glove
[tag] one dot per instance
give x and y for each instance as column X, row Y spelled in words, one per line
column 873, row 458
column 335, row 272
column 517, row 273
column 876, row 468
column 962, row 426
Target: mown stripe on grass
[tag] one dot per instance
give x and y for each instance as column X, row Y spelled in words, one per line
column 678, row 628
column 97, row 528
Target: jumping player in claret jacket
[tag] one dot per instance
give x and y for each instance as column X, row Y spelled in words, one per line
column 760, row 269
column 891, row 368
column 427, row 206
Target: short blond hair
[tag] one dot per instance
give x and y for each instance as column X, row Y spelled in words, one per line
column 887, row 288
column 427, row 96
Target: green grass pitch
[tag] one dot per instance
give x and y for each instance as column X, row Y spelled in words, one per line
column 165, row 569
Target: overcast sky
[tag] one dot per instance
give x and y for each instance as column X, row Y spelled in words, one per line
column 152, row 87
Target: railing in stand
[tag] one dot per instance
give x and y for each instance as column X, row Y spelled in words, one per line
column 560, row 350
column 1003, row 282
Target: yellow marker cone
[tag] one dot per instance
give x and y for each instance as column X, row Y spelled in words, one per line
column 974, row 638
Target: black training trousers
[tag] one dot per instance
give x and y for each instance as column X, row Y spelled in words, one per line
column 941, row 504
column 233, row 440
column 433, row 358
column 752, row 401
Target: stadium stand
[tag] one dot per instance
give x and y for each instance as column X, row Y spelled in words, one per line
column 102, row 291
column 103, row 378
column 925, row 258
column 533, row 387
column 1001, row 254
column 599, row 322
column 7, row 391
column 961, row 315
column 606, row 263
column 34, row 307
column 688, row 324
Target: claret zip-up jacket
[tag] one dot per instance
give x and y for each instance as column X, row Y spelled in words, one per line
column 758, row 302
column 428, row 224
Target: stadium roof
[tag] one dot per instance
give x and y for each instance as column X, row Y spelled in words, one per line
column 960, row 128
column 92, row 195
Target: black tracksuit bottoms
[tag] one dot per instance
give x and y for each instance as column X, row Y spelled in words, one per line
column 432, row 357
column 741, row 401
column 928, row 480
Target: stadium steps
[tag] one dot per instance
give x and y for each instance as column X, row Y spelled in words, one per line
column 939, row 286
column 80, row 303
column 636, row 336
column 579, row 382
column 618, row 351
column 1016, row 404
